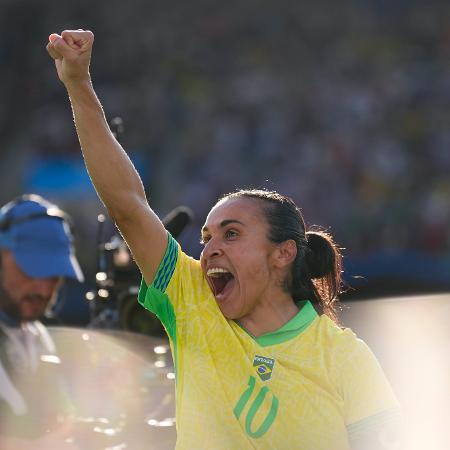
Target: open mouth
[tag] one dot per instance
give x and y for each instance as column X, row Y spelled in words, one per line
column 221, row 281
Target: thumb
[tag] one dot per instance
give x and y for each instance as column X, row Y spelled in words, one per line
column 52, row 52
column 52, row 38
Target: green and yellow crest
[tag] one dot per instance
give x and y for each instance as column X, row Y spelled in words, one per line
column 263, row 366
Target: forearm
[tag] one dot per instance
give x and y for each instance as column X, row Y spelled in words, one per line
column 115, row 179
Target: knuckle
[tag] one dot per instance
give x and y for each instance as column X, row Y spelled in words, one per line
column 79, row 33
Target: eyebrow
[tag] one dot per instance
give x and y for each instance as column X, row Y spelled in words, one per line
column 223, row 224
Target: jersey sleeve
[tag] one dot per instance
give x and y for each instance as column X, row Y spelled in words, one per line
column 369, row 402
column 178, row 287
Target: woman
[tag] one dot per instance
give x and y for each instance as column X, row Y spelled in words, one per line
column 256, row 365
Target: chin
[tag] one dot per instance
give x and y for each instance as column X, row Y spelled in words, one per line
column 29, row 316
column 229, row 314
column 225, row 312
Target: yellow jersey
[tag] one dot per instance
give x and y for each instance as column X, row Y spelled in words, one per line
column 308, row 386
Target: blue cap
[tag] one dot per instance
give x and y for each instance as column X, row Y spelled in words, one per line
column 39, row 235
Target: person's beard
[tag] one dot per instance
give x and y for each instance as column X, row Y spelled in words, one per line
column 15, row 308
column 8, row 305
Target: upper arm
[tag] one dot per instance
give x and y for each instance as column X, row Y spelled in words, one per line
column 361, row 380
column 146, row 237
column 371, row 411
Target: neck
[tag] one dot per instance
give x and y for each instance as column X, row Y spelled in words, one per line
column 269, row 316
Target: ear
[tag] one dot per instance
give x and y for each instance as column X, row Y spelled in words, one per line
column 285, row 253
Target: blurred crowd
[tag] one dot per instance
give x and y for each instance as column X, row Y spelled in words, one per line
column 345, row 106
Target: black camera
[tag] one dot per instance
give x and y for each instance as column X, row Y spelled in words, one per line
column 113, row 303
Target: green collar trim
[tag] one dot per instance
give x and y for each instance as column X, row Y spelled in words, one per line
column 290, row 329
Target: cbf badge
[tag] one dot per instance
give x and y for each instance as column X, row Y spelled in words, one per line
column 264, row 367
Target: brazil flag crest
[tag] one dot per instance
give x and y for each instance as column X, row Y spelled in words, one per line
column 263, row 366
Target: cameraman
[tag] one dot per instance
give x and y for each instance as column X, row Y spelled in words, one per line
column 36, row 254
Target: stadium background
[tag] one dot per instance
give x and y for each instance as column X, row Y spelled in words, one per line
column 344, row 105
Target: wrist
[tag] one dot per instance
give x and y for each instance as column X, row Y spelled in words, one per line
column 78, row 83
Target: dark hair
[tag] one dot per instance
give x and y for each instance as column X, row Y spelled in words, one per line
column 316, row 271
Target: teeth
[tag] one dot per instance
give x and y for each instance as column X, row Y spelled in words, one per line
column 216, row 271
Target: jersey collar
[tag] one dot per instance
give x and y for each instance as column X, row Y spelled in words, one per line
column 290, row 329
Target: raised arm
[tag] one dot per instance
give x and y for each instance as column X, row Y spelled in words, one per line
column 115, row 179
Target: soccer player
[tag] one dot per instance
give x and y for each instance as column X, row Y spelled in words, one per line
column 259, row 361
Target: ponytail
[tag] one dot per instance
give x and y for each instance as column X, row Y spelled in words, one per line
column 324, row 268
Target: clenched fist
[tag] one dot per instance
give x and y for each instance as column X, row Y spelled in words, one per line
column 72, row 54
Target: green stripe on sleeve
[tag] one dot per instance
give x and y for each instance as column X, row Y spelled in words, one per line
column 154, row 297
column 167, row 265
column 359, row 429
column 163, row 274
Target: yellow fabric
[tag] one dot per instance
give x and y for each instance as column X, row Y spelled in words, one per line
column 322, row 381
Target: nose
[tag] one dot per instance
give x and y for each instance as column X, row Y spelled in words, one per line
column 212, row 249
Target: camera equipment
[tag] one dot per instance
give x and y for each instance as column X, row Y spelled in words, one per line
column 113, row 303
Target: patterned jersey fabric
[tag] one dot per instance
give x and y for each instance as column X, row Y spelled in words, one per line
column 308, row 386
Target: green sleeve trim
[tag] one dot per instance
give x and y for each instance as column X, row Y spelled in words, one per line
column 359, row 429
column 163, row 274
column 154, row 297
column 163, row 309
column 156, row 300
column 167, row 266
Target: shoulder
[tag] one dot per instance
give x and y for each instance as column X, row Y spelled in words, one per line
column 336, row 338
column 174, row 268
column 369, row 402
column 187, row 271
column 346, row 353
column 179, row 283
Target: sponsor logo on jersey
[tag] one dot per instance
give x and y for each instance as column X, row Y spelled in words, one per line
column 263, row 367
